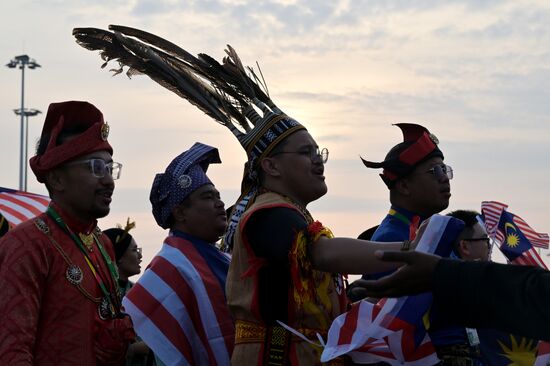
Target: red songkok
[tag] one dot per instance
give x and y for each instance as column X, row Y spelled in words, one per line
column 69, row 116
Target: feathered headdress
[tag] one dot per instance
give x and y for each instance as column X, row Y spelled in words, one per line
column 231, row 94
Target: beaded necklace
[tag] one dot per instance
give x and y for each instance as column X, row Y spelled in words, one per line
column 110, row 297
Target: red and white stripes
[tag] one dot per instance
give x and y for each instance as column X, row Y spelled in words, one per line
column 18, row 206
column 179, row 309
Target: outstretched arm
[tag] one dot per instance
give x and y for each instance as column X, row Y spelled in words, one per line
column 352, row 256
column 509, row 298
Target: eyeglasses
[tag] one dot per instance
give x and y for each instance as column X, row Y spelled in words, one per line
column 441, row 171
column 312, row 153
column 139, row 250
column 99, row 167
column 485, row 239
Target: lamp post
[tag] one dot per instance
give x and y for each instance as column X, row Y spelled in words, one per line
column 26, row 113
column 22, row 61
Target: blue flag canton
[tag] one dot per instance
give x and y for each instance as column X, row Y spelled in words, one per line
column 515, row 243
column 503, row 349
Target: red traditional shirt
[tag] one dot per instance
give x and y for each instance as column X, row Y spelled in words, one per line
column 45, row 318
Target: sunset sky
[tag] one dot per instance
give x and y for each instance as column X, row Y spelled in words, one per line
column 476, row 73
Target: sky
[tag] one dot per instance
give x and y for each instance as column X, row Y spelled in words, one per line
column 475, row 73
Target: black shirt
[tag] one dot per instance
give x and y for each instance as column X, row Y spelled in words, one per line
column 271, row 233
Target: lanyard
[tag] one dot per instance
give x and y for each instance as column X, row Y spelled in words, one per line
column 112, row 298
column 413, row 225
column 399, row 216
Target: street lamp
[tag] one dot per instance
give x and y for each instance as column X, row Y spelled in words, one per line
column 22, row 61
column 26, row 113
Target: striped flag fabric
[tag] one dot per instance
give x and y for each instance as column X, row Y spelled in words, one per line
column 543, row 354
column 515, row 238
column 493, row 214
column 517, row 241
column 393, row 330
column 179, row 309
column 492, row 211
column 18, row 206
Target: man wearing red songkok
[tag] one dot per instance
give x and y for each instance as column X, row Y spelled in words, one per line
column 60, row 302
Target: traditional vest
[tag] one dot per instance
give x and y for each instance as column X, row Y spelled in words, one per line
column 315, row 297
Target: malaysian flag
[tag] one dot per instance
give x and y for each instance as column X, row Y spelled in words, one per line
column 504, row 349
column 18, row 206
column 516, row 239
column 393, row 330
column 178, row 307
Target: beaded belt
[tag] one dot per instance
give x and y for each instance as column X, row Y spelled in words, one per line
column 249, row 332
column 275, row 340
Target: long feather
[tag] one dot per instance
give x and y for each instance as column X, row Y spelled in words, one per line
column 225, row 92
column 144, row 60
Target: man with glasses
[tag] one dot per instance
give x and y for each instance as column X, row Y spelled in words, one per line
column 419, row 185
column 473, row 243
column 285, row 265
column 60, row 302
column 456, row 345
column 418, row 182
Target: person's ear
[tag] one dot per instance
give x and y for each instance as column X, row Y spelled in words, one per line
column 402, row 186
column 271, row 167
column 463, row 249
column 179, row 213
column 56, row 179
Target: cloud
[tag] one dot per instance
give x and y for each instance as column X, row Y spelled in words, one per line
column 316, row 97
column 152, row 7
column 474, row 72
column 333, row 138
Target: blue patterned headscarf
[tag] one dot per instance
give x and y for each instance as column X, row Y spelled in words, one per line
column 185, row 174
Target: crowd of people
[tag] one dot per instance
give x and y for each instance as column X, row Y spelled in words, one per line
column 67, row 300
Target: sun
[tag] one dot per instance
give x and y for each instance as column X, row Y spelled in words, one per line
column 512, row 240
column 522, row 354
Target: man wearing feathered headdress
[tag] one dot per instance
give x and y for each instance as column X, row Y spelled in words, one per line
column 179, row 306
column 60, row 302
column 285, row 266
